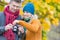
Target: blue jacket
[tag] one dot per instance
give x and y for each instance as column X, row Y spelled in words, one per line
column 2, row 27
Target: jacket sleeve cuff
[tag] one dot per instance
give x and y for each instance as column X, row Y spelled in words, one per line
column 2, row 29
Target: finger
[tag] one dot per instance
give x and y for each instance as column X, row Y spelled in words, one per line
column 14, row 22
column 22, row 31
column 9, row 24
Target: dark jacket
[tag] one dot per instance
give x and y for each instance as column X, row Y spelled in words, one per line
column 2, row 27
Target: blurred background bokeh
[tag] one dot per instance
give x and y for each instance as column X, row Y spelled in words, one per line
column 48, row 12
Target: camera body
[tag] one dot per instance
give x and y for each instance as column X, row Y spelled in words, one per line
column 15, row 29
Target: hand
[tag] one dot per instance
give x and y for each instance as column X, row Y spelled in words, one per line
column 15, row 22
column 21, row 29
column 9, row 26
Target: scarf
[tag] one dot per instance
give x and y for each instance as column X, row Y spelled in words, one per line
column 10, row 17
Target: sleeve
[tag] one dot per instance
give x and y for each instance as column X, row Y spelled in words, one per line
column 2, row 29
column 33, row 26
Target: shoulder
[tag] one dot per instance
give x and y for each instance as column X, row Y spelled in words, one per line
column 35, row 20
column 2, row 16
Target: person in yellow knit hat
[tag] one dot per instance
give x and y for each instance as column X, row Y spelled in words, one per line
column 32, row 25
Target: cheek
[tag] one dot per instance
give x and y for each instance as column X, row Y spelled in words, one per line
column 25, row 16
column 12, row 7
column 29, row 16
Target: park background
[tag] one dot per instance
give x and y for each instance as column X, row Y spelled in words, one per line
column 48, row 12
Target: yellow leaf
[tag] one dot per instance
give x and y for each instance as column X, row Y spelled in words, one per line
column 57, row 1
column 46, row 26
column 55, row 21
column 21, row 12
column 48, row 1
column 44, row 38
